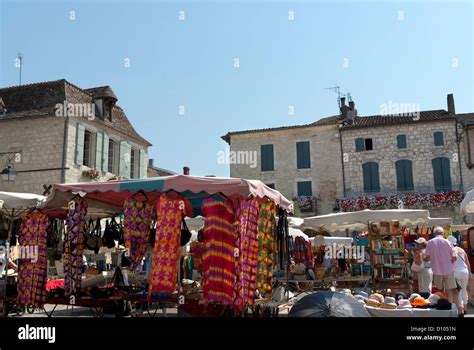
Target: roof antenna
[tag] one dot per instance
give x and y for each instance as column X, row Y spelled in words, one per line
column 337, row 90
column 19, row 61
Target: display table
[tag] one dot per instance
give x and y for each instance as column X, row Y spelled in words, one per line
column 327, row 282
column 415, row 312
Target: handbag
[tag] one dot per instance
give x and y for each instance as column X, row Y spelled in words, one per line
column 108, row 239
column 94, row 240
column 185, row 234
column 417, row 268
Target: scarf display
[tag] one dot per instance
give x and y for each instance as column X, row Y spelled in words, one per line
column 218, row 262
column 164, row 267
column 283, row 240
column 247, row 243
column 266, row 229
column 32, row 270
column 138, row 217
column 303, row 251
column 74, row 245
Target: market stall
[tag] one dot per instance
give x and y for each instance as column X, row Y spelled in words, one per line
column 148, row 234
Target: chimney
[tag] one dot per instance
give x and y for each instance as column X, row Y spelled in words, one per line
column 343, row 108
column 351, row 113
column 150, row 163
column 451, row 108
column 186, row 170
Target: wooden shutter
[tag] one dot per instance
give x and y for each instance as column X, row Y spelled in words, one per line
column 303, row 156
column 304, row 188
column 105, row 154
column 438, row 138
column 404, row 171
column 99, row 150
column 124, row 166
column 370, row 172
column 266, row 152
column 143, row 164
column 401, row 141
column 80, row 132
column 359, row 144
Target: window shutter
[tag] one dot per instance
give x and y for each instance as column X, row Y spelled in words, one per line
column 143, row 164
column 266, row 152
column 303, row 156
column 404, row 170
column 438, row 138
column 359, row 144
column 304, row 188
column 124, row 166
column 408, row 171
column 375, row 176
column 399, row 167
column 401, row 141
column 80, row 132
column 370, row 173
column 99, row 150
column 446, row 174
column 105, row 154
column 437, row 174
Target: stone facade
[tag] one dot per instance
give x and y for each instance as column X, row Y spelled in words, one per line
column 325, row 170
column 32, row 127
column 420, row 150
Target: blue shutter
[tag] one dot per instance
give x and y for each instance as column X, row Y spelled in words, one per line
column 267, row 162
column 360, row 144
column 303, row 157
column 438, row 138
column 446, row 171
column 370, row 172
column 441, row 174
column 401, row 141
column 404, row 171
column 304, row 188
column 80, row 132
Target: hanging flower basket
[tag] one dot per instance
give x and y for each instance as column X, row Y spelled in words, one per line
column 306, row 203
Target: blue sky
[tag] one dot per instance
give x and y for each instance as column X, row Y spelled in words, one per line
column 404, row 52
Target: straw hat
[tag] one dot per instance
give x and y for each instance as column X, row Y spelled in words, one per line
column 404, row 304
column 389, row 303
column 375, row 300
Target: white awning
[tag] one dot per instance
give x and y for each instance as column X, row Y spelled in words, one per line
column 15, row 200
column 467, row 204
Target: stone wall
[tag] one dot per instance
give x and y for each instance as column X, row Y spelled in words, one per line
column 325, row 171
column 40, row 142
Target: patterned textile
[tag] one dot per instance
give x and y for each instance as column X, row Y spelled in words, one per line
column 266, row 230
column 164, row 267
column 303, row 251
column 138, row 217
column 248, row 250
column 74, row 245
column 218, row 262
column 32, row 270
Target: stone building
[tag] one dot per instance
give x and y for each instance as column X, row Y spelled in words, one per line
column 55, row 132
column 349, row 162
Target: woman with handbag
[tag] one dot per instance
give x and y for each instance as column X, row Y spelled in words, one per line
column 462, row 274
column 423, row 269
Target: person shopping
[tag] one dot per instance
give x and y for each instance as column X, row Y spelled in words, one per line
column 423, row 269
column 462, row 273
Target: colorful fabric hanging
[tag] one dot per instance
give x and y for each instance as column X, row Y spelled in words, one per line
column 266, row 230
column 283, row 240
column 164, row 267
column 218, row 262
column 138, row 217
column 33, row 269
column 74, row 245
column 247, row 243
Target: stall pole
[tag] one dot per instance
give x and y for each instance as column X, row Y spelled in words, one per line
column 7, row 258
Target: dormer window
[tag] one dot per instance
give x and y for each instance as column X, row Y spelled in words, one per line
column 104, row 99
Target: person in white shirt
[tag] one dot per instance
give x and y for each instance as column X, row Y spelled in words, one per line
column 462, row 273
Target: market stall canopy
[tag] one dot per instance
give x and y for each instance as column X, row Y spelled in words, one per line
column 107, row 197
column 439, row 221
column 467, row 204
column 14, row 204
column 359, row 219
column 294, row 232
column 322, row 240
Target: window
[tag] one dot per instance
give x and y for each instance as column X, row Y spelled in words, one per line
column 401, row 141
column 111, row 156
column 86, row 155
column 370, row 171
column 304, row 188
column 438, row 138
column 132, row 163
column 404, row 170
column 267, row 158
column 363, row 144
column 360, row 145
column 303, row 157
column 441, row 174
column 368, row 145
column 271, row 186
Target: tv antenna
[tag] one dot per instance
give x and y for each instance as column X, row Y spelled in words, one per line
column 20, row 63
column 337, row 90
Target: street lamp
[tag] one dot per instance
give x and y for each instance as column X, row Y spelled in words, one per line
column 8, row 174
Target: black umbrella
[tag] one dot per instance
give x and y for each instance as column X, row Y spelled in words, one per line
column 328, row 304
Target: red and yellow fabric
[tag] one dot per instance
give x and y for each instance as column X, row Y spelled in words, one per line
column 32, row 270
column 164, row 267
column 266, row 231
column 248, row 252
column 218, row 261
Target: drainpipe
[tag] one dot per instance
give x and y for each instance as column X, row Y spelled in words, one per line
column 458, row 142
column 342, row 165
column 65, row 139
